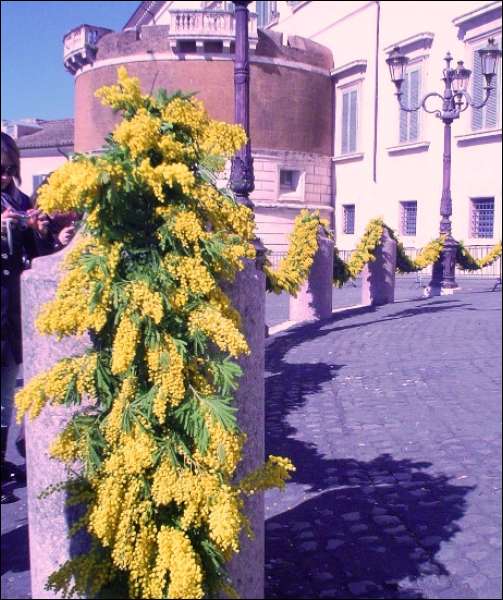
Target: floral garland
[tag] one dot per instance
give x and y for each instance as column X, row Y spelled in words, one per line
column 295, row 266
column 468, row 263
column 427, row 256
column 158, row 442
column 363, row 254
column 366, row 248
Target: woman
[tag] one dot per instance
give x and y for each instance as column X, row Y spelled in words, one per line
column 24, row 234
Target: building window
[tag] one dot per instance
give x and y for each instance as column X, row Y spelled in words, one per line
column 409, row 121
column 348, row 211
column 482, row 217
column 408, row 217
column 266, row 13
column 288, row 180
column 349, row 123
column 38, row 180
column 487, row 117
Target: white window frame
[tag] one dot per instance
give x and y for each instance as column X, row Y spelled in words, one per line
column 474, row 29
column 403, row 213
column 414, row 65
column 298, row 191
column 474, row 234
column 344, row 212
column 472, row 46
column 350, row 86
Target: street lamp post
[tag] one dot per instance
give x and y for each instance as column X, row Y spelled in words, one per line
column 242, row 179
column 455, row 100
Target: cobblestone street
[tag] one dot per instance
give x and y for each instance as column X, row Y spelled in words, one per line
column 393, row 418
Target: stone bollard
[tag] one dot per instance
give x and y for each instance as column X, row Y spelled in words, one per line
column 48, row 518
column 378, row 277
column 314, row 300
column 247, row 294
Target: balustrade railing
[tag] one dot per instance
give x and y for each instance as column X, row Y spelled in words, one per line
column 194, row 25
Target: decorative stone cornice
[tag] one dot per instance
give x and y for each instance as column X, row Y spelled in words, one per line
column 419, row 40
column 355, row 66
column 464, row 19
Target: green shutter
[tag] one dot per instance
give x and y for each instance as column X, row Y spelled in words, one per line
column 415, row 86
column 353, row 123
column 477, row 92
column 345, row 124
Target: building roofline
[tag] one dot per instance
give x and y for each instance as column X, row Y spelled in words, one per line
column 150, row 6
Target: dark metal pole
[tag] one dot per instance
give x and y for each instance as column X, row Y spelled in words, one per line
column 242, row 179
column 443, row 275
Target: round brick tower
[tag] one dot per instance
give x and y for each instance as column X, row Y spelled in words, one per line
column 290, row 103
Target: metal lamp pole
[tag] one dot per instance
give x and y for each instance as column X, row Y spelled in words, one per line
column 455, row 100
column 242, row 179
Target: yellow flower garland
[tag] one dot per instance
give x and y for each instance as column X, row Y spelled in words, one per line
column 468, row 263
column 294, row 268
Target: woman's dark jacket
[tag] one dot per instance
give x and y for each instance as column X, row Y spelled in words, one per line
column 26, row 244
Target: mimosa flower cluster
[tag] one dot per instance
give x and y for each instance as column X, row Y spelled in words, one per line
column 157, row 446
column 293, row 270
column 365, row 253
column 468, row 263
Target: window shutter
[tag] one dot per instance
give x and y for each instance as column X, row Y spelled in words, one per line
column 345, row 124
column 477, row 92
column 415, row 82
column 353, row 121
column 261, row 13
column 492, row 117
column 403, row 114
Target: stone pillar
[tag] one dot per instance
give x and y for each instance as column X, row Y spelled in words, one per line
column 378, row 277
column 48, row 518
column 247, row 294
column 314, row 300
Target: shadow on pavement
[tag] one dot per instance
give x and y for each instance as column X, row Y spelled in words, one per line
column 363, row 539
column 367, row 526
column 15, row 555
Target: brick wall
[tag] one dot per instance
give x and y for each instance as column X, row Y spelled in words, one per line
column 278, row 120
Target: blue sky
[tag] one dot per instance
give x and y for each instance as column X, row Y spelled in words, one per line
column 34, row 81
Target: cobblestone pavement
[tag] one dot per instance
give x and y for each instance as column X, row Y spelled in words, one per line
column 393, row 418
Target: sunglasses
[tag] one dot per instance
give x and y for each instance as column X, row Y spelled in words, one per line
column 10, row 170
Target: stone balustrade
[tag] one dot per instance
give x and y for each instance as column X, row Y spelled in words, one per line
column 200, row 26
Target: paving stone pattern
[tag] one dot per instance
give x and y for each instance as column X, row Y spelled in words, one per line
column 393, row 418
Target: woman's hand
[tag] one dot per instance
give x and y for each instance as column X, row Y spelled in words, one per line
column 66, row 234
column 38, row 221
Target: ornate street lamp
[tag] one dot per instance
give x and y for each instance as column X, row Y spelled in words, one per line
column 242, row 179
column 455, row 100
